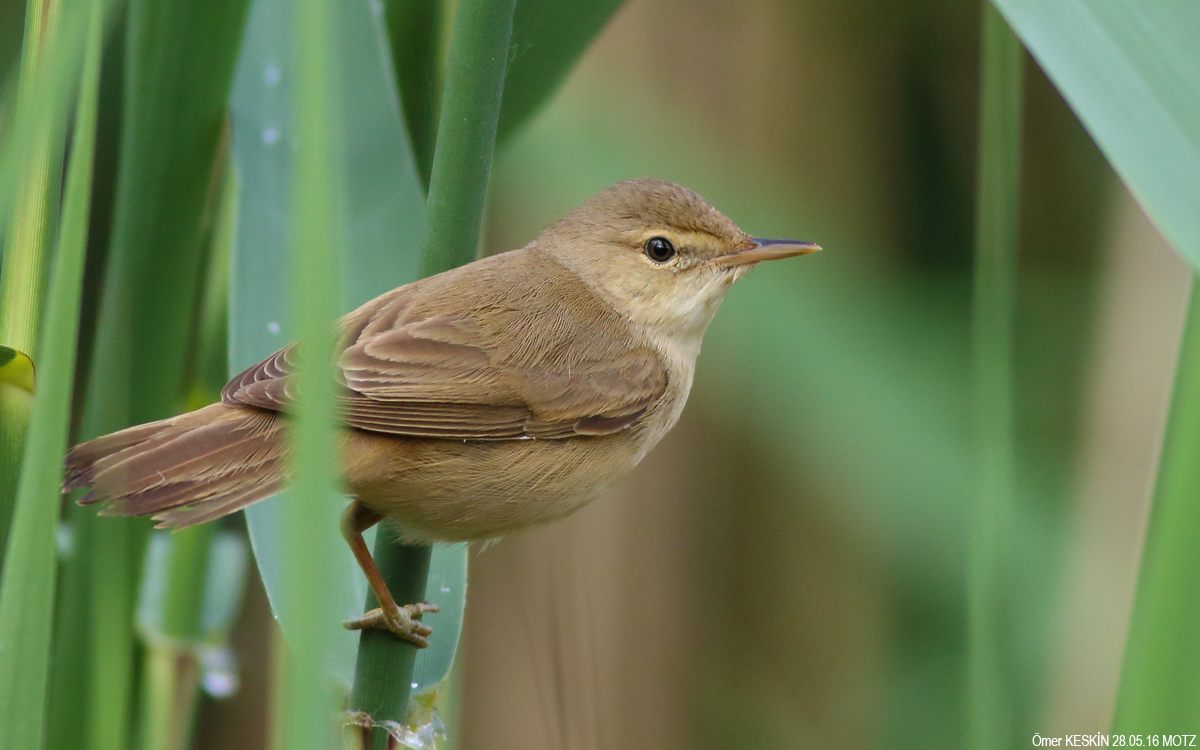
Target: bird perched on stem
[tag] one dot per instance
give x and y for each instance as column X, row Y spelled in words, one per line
column 478, row 402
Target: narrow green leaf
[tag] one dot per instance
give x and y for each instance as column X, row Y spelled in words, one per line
column 41, row 105
column 28, row 579
column 178, row 67
column 12, row 23
column 32, row 229
column 1160, row 675
column 1131, row 71
column 998, row 193
column 28, row 237
column 175, row 577
column 548, row 38
column 315, row 242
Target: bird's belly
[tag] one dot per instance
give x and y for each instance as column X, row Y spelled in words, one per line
column 445, row 490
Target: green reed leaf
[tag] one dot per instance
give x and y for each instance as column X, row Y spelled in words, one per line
column 28, row 579
column 1131, row 71
column 994, row 487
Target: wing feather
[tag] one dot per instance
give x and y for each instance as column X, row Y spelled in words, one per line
column 423, row 362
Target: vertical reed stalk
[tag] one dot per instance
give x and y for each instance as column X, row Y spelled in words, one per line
column 314, row 243
column 28, row 579
column 462, row 162
column 22, row 275
column 989, row 709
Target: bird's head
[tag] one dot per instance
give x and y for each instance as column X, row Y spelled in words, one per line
column 660, row 254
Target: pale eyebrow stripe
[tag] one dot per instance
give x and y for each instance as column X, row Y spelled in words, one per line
column 701, row 239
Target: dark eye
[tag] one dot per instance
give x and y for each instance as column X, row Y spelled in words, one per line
column 659, row 249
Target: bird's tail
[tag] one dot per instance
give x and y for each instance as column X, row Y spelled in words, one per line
column 191, row 468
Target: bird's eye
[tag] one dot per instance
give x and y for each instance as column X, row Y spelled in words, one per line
column 659, row 249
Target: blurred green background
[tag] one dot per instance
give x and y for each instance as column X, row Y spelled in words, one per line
column 789, row 568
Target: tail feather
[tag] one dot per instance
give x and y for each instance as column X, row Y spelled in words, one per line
column 200, row 454
column 184, row 470
column 179, row 517
column 81, row 461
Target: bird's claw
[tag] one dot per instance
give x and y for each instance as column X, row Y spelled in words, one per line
column 401, row 621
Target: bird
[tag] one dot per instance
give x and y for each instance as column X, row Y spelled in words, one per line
column 494, row 397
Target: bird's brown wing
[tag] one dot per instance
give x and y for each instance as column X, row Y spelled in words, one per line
column 408, row 371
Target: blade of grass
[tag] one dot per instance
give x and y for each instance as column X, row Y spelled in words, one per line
column 178, row 68
column 12, row 26
column 170, row 659
column 1160, row 676
column 47, row 102
column 989, row 705
column 28, row 580
column 315, row 242
column 461, row 166
column 70, row 666
column 27, row 244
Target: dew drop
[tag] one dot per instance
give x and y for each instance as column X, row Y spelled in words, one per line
column 64, row 539
column 270, row 135
column 272, row 74
column 218, row 672
column 445, row 589
column 273, row 327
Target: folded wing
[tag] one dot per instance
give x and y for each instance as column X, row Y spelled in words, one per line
column 414, row 363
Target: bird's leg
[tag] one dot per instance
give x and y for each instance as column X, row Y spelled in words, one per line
column 401, row 620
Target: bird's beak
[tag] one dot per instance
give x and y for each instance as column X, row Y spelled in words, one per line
column 761, row 249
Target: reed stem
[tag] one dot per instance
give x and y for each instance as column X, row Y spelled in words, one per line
column 988, row 708
column 462, row 163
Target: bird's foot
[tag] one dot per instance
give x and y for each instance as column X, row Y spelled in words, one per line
column 404, row 622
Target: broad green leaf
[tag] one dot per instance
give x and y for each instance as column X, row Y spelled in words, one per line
column 28, row 579
column 384, row 224
column 1131, row 71
column 548, row 38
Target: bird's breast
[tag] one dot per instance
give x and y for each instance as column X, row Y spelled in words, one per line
column 453, row 490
